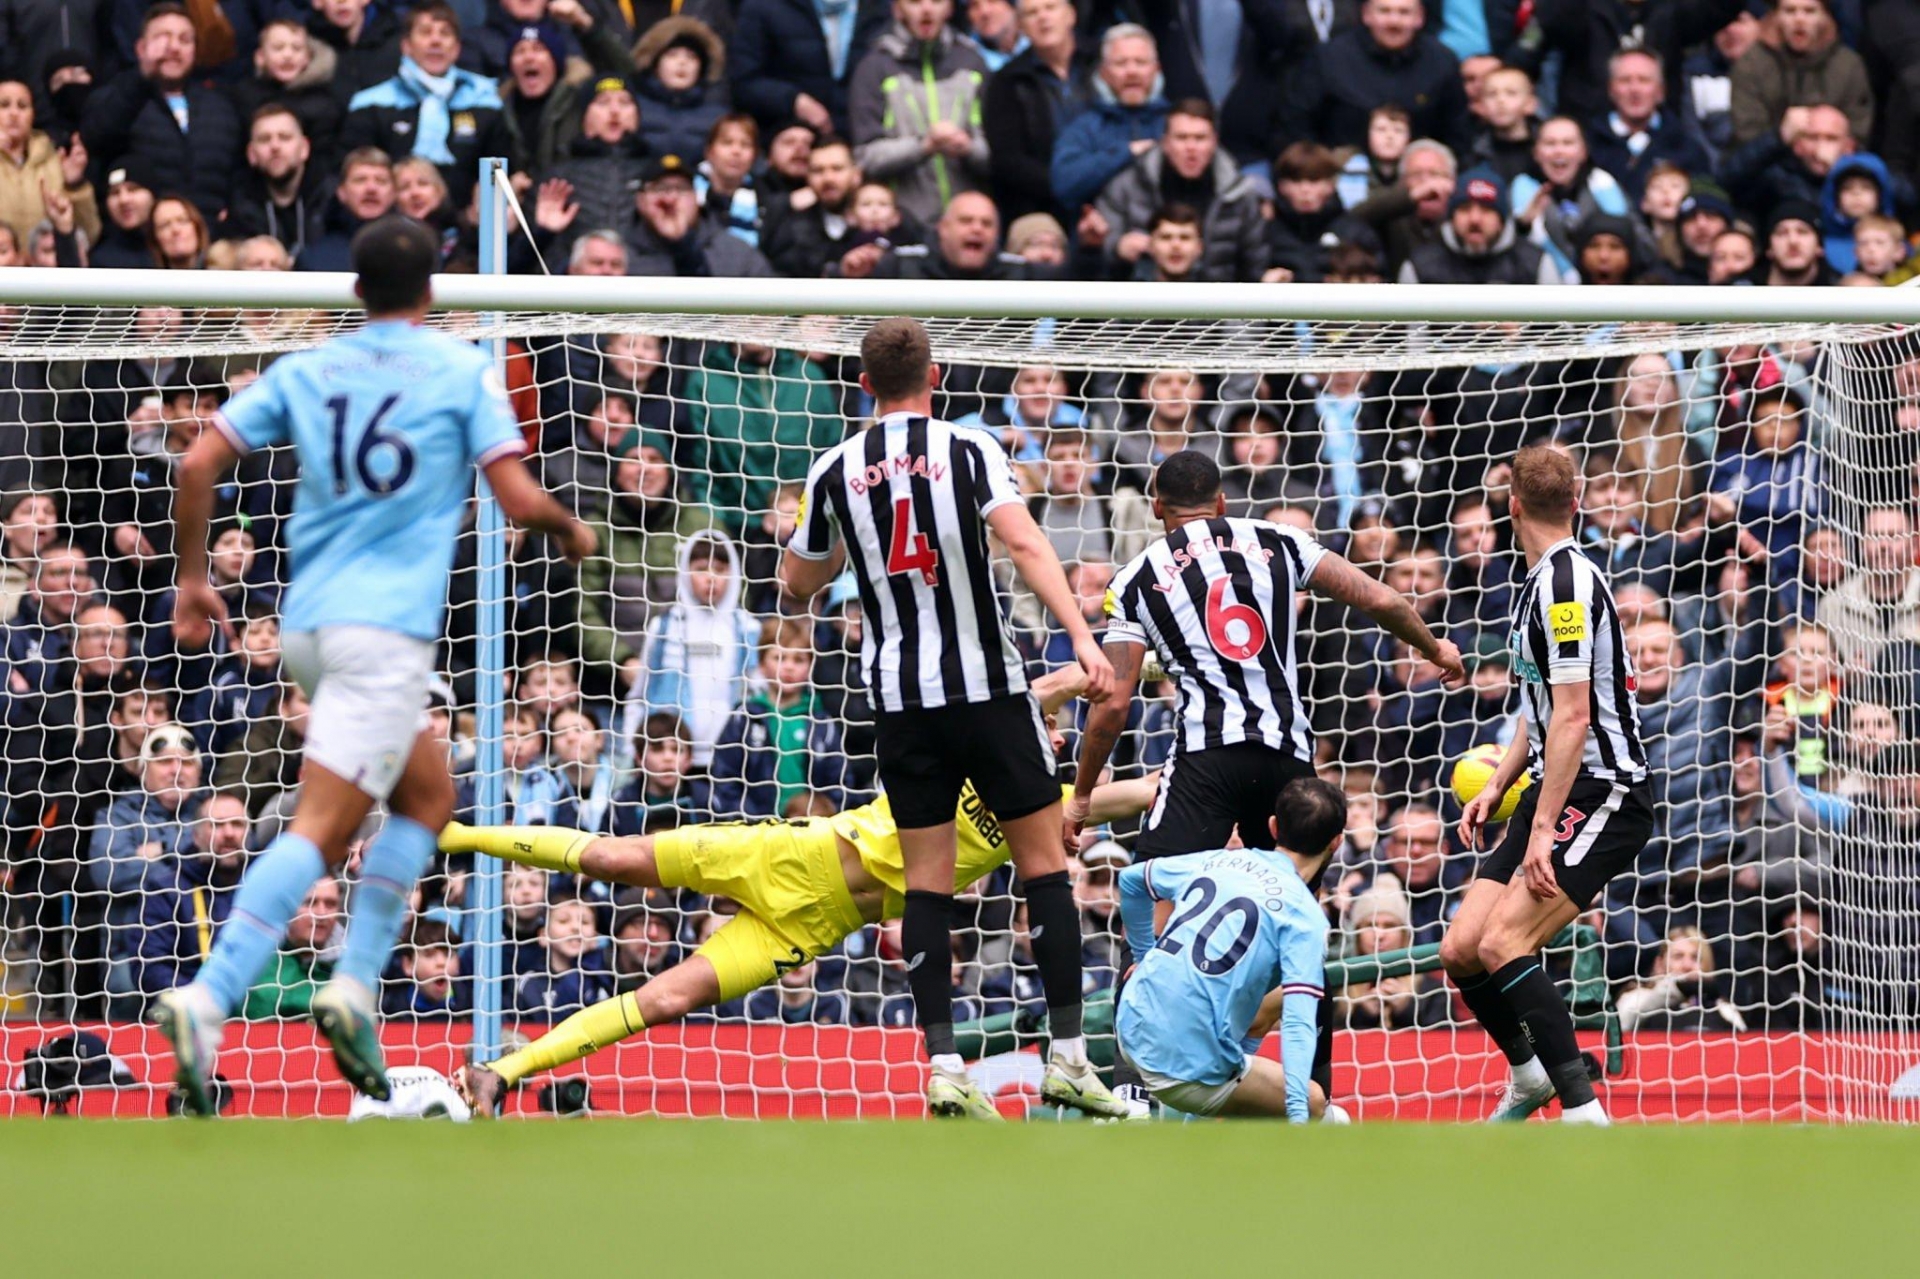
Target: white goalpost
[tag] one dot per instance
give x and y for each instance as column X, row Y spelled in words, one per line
column 1752, row 469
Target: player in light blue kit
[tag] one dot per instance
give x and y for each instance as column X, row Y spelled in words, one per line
column 1246, row 945
column 388, row 423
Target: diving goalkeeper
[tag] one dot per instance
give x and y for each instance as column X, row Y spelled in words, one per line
column 802, row 886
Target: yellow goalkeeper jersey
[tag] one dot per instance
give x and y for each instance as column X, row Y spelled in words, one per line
column 870, row 829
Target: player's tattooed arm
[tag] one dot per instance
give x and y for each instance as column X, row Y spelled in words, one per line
column 1338, row 579
column 1108, row 720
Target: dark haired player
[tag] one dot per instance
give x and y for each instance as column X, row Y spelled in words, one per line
column 388, row 423
column 1584, row 822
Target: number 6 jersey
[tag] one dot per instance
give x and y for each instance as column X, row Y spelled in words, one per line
column 910, row 495
column 1215, row 600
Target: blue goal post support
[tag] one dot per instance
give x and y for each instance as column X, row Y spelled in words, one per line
column 487, row 895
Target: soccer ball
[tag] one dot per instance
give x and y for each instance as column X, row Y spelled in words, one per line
column 419, row 1092
column 1336, row 1114
column 1473, row 770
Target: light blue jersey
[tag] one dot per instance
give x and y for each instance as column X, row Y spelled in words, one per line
column 1244, row 923
column 388, row 423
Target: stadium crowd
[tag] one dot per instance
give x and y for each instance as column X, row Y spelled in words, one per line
column 1599, row 142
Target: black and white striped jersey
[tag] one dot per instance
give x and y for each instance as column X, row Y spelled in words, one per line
column 910, row 496
column 1214, row 599
column 1565, row 630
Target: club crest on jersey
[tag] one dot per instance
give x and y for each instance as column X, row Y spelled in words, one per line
column 1569, row 623
column 1521, row 666
column 904, row 464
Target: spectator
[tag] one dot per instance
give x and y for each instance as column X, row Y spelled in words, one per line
column 876, row 226
column 661, row 796
column 430, row 107
column 1656, row 456
column 1305, row 209
column 1174, row 248
column 150, row 823
column 667, row 235
column 1771, row 482
column 1795, row 253
column 1683, row 717
column 633, row 574
column 1796, row 989
column 1412, row 212
column 680, row 92
column 760, row 416
column 1228, row 56
column 365, row 42
column 365, row 193
column 543, row 102
column 1390, row 60
column 1879, row 602
column 643, row 938
column 1706, row 99
column 575, row 974
column 1375, row 168
column 177, row 236
column 1188, row 167
column 1122, row 123
column 1587, row 33
column 186, row 898
column 1509, row 109
column 1735, row 256
column 1638, row 134
column 267, row 762
column 791, row 59
column 1791, row 164
column 129, row 206
column 1026, row 105
column 796, row 999
column 1803, row 65
column 1414, row 853
column 294, row 71
column 38, row 171
column 1880, row 249
column 1857, row 187
column 809, row 229
column 915, row 106
column 1565, row 190
column 575, row 788
column 779, row 744
column 1082, row 524
column 1380, row 922
column 1667, row 189
column 966, row 247
column 281, row 193
column 1479, row 244
column 305, row 959
column 1252, row 479
column 700, row 652
column 724, row 184
column 1165, row 419
column 600, row 168
column 185, row 129
column 1685, row 992
column 29, row 525
column 432, row 989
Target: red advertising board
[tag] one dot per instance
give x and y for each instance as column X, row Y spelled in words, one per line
column 840, row 1072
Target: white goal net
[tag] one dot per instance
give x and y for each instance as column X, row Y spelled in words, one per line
column 1750, row 489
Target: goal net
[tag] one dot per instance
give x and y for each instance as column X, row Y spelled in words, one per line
column 1750, row 489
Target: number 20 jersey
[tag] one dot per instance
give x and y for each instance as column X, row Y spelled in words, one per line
column 1215, row 599
column 910, row 496
column 388, row 423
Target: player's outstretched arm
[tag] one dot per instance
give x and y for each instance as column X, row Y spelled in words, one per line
column 1039, row 568
column 1336, row 578
column 531, row 507
column 1112, row 801
column 198, row 607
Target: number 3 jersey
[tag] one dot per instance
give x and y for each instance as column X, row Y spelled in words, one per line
column 388, row 423
column 1215, row 600
column 910, row 496
column 1244, row 923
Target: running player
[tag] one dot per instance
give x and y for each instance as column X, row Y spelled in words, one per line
column 387, row 422
column 1214, row 599
column 802, row 887
column 909, row 502
column 1246, row 933
column 1582, row 823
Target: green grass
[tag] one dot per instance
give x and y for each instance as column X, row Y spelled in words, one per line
column 574, row 1200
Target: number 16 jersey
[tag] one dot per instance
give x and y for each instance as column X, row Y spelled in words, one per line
column 911, row 495
column 1215, row 600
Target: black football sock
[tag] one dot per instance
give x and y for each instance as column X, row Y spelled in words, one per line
column 926, row 944
column 1549, row 1025
column 1053, row 931
column 1496, row 1016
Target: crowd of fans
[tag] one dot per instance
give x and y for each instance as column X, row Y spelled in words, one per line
column 1775, row 627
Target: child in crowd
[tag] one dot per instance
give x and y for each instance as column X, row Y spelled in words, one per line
column 430, row 964
column 1367, row 173
column 1856, row 188
column 724, row 182
column 1175, row 246
column 575, row 973
column 700, row 653
column 1667, row 189
column 1305, row 207
column 1880, row 247
column 1770, row 484
column 1508, row 107
column 660, row 796
column 1805, row 692
column 780, row 743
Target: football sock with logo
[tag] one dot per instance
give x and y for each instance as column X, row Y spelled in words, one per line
column 1053, row 931
column 587, row 1031
column 1496, row 1016
column 926, row 945
column 548, row 847
column 1526, row 986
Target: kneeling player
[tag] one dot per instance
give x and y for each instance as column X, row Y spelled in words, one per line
column 803, row 887
column 1246, row 934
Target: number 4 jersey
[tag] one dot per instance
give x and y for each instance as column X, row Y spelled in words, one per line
column 1214, row 599
column 388, row 423
column 911, row 495
column 1244, row 923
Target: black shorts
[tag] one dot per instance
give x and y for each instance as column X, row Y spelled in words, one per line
column 926, row 755
column 1602, row 830
column 1204, row 795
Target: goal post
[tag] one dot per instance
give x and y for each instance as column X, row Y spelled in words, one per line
column 1751, row 459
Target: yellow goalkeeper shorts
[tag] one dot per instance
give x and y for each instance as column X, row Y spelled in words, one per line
column 794, row 903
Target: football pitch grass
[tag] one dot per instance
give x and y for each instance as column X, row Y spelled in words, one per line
column 779, row 1199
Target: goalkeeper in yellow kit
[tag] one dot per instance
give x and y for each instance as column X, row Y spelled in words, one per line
column 802, row 887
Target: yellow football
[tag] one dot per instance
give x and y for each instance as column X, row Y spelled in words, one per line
column 1473, row 770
